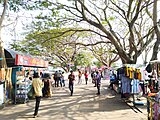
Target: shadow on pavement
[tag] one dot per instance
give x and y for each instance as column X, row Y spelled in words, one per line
column 61, row 106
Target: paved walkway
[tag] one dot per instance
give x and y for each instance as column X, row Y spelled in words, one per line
column 83, row 105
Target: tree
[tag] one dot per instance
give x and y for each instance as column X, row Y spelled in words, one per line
column 98, row 64
column 62, row 50
column 157, row 31
column 104, row 53
column 121, row 23
column 3, row 61
column 124, row 24
column 13, row 6
column 83, row 59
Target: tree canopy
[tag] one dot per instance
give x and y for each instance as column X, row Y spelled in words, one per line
column 127, row 26
column 124, row 24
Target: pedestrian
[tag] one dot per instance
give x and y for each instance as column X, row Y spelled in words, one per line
column 79, row 76
column 86, row 76
column 71, row 78
column 59, row 80
column 47, row 85
column 93, row 76
column 98, row 82
column 37, row 86
column 113, row 79
column 55, row 79
column 41, row 75
column 63, row 81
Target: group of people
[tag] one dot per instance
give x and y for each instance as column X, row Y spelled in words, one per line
column 59, row 79
column 80, row 76
column 39, row 84
column 41, row 87
column 96, row 76
column 96, row 79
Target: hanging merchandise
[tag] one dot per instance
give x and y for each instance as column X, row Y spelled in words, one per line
column 126, row 85
column 135, row 86
column 154, row 94
column 22, row 86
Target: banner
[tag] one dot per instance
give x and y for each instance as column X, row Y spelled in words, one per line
column 28, row 61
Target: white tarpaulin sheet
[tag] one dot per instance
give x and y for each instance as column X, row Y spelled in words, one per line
column 1, row 94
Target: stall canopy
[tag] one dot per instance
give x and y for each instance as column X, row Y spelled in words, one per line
column 14, row 58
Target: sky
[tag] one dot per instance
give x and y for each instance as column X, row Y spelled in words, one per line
column 15, row 30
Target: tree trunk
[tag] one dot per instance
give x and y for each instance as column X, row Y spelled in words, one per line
column 156, row 48
column 2, row 55
column 157, row 31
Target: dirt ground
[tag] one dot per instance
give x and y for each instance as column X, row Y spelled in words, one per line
column 83, row 105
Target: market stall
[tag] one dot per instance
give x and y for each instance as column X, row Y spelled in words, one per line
column 153, row 98
column 22, row 65
column 130, row 79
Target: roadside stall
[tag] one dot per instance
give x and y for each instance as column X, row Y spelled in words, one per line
column 153, row 98
column 22, row 67
column 130, row 83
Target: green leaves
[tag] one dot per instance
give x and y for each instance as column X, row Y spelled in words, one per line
column 105, row 22
column 45, row 4
column 111, row 18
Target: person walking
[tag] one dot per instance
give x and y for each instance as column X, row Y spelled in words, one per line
column 63, row 81
column 93, row 76
column 55, row 79
column 59, row 80
column 98, row 82
column 71, row 78
column 86, row 76
column 113, row 79
column 79, row 76
column 37, row 86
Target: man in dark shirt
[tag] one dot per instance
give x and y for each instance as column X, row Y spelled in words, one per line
column 56, row 79
column 98, row 82
column 71, row 78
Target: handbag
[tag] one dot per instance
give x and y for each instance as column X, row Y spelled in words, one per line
column 31, row 92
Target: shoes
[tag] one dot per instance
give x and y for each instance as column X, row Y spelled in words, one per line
column 97, row 93
column 34, row 116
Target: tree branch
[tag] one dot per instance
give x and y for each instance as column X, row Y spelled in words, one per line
column 3, row 12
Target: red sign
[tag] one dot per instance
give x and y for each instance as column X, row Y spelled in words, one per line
column 28, row 61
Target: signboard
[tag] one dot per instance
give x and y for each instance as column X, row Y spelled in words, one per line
column 28, row 61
